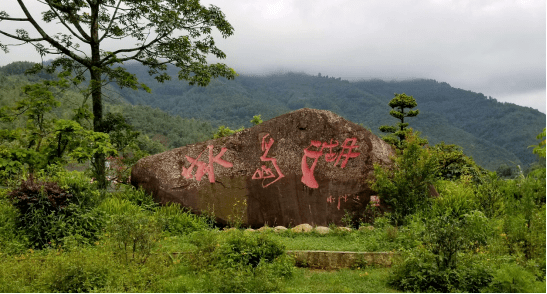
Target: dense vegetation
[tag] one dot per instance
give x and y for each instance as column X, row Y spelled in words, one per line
column 59, row 232
column 91, row 24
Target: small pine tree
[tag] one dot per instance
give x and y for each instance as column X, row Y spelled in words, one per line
column 398, row 105
column 257, row 119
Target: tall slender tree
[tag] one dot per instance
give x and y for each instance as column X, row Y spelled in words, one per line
column 398, row 104
column 176, row 32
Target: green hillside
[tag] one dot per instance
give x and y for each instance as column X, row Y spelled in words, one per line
column 491, row 132
column 177, row 114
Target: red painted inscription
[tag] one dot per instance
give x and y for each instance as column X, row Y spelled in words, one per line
column 344, row 198
column 205, row 168
column 264, row 172
column 347, row 152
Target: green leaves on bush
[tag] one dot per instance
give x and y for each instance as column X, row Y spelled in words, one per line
column 453, row 164
column 48, row 214
column 405, row 186
column 421, row 272
column 134, row 236
column 511, row 278
column 237, row 261
column 178, row 221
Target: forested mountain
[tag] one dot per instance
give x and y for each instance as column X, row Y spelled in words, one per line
column 493, row 133
column 170, row 130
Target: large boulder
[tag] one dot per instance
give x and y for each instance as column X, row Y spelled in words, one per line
column 307, row 166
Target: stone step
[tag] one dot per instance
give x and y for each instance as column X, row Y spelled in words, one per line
column 322, row 259
column 341, row 259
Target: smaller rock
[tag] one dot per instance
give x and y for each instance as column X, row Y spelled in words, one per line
column 249, row 230
column 279, row 229
column 322, row 230
column 344, row 229
column 264, row 229
column 303, row 228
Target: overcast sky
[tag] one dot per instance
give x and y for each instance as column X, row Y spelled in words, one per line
column 494, row 47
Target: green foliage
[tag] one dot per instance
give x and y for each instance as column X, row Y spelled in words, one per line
column 453, row 163
column 452, row 229
column 128, row 200
column 45, row 138
column 539, row 149
column 511, row 278
column 405, row 186
column 179, row 221
column 447, row 235
column 84, row 269
column 398, row 104
column 489, row 198
column 133, row 236
column 485, row 235
column 149, row 146
column 11, row 240
column 187, row 52
column 225, row 132
column 257, row 119
column 50, row 213
column 240, row 262
column 524, row 221
column 78, row 273
column 505, row 171
column 420, row 272
column 167, row 130
column 120, row 132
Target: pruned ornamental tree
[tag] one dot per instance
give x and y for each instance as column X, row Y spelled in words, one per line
column 398, row 104
column 162, row 32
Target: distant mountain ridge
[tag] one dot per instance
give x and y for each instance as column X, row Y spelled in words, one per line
column 493, row 133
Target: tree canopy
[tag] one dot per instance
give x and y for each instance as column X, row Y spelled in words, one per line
column 164, row 32
column 398, row 104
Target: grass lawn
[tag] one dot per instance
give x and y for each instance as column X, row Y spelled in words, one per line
column 369, row 280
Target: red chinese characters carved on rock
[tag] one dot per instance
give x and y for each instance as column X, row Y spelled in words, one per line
column 205, row 168
column 344, row 197
column 347, row 152
column 264, row 172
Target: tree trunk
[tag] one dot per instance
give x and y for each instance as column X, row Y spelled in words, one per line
column 96, row 93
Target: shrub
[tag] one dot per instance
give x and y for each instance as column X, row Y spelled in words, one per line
column 511, row 278
column 137, row 197
column 489, row 198
column 77, row 272
column 133, row 236
column 524, row 221
column 50, row 213
column 177, row 220
column 420, row 272
column 249, row 249
column 11, row 240
column 405, row 186
column 453, row 164
column 452, row 230
column 33, row 193
column 237, row 261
